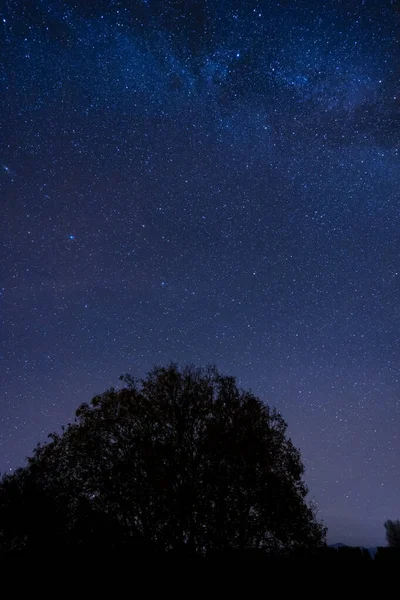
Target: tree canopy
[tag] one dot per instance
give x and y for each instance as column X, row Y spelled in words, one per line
column 182, row 461
column 393, row 533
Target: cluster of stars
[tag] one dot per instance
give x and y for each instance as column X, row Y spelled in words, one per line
column 217, row 183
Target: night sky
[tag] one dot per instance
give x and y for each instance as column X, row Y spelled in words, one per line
column 208, row 182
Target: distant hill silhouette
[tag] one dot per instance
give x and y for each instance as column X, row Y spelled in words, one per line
column 372, row 550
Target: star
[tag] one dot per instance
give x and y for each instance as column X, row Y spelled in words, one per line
column 243, row 160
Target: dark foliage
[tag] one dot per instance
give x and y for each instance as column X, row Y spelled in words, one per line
column 352, row 553
column 393, row 533
column 181, row 462
column 387, row 553
column 332, row 553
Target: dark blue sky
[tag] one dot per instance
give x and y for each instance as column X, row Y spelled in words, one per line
column 208, row 182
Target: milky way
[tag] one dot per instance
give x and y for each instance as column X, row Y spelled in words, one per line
column 208, row 182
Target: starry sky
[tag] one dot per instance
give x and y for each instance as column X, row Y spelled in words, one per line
column 208, row 182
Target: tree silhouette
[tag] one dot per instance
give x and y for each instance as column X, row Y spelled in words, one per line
column 181, row 462
column 393, row 533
